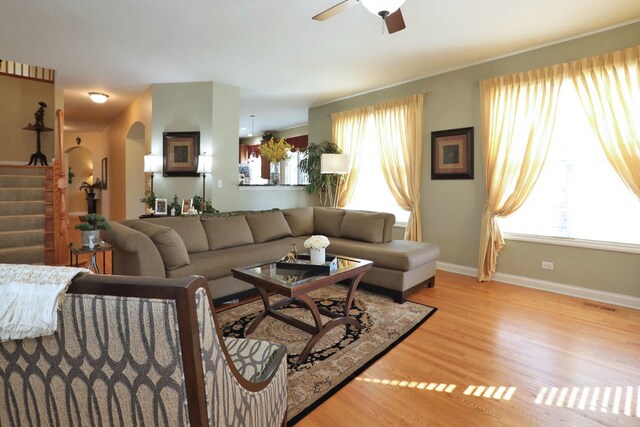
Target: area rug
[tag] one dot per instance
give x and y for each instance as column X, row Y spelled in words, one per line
column 339, row 356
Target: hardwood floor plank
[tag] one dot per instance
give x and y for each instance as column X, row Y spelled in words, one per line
column 553, row 350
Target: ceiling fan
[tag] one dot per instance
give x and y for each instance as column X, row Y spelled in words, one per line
column 389, row 10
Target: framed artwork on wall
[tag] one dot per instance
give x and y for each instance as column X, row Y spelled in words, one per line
column 452, row 154
column 105, row 173
column 180, row 153
column 161, row 206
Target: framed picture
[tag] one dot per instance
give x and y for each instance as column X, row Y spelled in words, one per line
column 180, row 153
column 105, row 173
column 186, row 205
column 452, row 154
column 161, row 206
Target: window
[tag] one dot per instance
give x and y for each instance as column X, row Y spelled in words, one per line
column 372, row 192
column 578, row 194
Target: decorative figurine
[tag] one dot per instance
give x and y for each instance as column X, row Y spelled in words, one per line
column 91, row 242
column 38, row 127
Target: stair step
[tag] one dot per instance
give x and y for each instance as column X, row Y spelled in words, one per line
column 22, row 181
column 23, row 255
column 9, row 194
column 15, row 239
column 21, row 207
column 22, row 170
column 21, row 222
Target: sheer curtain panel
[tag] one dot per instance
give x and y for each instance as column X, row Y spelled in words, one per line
column 517, row 117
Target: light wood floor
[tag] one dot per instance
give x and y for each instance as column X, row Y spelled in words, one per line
column 508, row 342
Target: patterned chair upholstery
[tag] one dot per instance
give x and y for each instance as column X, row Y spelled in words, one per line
column 133, row 351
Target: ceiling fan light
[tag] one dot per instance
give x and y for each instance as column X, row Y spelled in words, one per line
column 382, row 7
column 98, row 97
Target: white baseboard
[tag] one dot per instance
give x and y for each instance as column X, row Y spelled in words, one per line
column 544, row 285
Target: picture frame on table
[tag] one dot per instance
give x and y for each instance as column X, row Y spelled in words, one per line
column 452, row 154
column 186, row 205
column 180, row 152
column 161, row 206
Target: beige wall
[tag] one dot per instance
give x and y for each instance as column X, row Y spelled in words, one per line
column 452, row 208
column 115, row 136
column 20, row 99
column 291, row 132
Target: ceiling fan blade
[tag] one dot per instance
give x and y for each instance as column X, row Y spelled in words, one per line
column 334, row 10
column 395, row 22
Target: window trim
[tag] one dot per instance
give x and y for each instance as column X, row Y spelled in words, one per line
column 571, row 242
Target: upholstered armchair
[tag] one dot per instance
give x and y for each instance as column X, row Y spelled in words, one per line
column 141, row 351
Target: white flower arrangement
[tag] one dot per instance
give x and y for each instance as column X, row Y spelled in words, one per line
column 316, row 242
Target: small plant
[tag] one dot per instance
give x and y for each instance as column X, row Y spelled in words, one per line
column 149, row 199
column 175, row 205
column 71, row 175
column 91, row 188
column 208, row 206
column 93, row 222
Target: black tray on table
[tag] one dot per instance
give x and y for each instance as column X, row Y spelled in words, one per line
column 304, row 263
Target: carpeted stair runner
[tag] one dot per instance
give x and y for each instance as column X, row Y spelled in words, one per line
column 22, row 215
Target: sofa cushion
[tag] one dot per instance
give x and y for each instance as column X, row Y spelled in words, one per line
column 364, row 226
column 268, row 226
column 300, row 220
column 226, row 232
column 170, row 245
column 327, row 221
column 188, row 228
column 215, row 264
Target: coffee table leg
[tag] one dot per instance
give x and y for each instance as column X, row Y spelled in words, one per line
column 351, row 293
column 313, row 308
column 261, row 316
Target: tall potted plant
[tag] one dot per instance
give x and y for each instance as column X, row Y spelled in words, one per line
column 90, row 193
column 90, row 226
column 310, row 165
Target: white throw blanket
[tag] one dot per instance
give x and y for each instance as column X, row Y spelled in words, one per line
column 29, row 298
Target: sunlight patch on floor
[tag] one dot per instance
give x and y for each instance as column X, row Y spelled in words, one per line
column 605, row 399
column 438, row 387
column 490, row 392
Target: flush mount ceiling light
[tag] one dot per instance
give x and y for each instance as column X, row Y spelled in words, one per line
column 98, row 97
column 383, row 8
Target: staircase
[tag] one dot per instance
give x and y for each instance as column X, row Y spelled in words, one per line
column 24, row 200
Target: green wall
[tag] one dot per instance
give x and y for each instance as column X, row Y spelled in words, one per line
column 452, row 209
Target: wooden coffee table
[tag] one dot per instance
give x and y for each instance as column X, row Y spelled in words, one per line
column 295, row 284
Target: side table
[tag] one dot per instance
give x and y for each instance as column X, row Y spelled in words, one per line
column 93, row 265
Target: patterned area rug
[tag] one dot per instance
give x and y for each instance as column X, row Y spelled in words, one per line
column 341, row 354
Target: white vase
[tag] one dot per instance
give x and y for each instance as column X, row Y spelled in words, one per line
column 317, row 256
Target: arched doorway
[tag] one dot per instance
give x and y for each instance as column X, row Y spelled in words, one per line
column 80, row 164
column 134, row 170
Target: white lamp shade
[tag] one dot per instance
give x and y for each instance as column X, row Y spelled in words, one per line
column 205, row 164
column 334, row 163
column 377, row 6
column 152, row 163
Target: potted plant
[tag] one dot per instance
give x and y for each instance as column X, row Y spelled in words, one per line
column 90, row 193
column 90, row 227
column 310, row 165
column 275, row 151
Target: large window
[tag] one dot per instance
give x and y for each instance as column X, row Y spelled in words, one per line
column 372, row 192
column 578, row 195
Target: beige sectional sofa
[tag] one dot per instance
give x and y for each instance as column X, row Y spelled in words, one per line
column 211, row 246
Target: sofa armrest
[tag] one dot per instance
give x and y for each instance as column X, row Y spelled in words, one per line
column 135, row 254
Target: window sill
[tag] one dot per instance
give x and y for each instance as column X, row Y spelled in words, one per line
column 578, row 243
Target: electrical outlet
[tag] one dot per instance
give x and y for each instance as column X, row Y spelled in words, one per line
column 547, row 265
column 219, row 183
